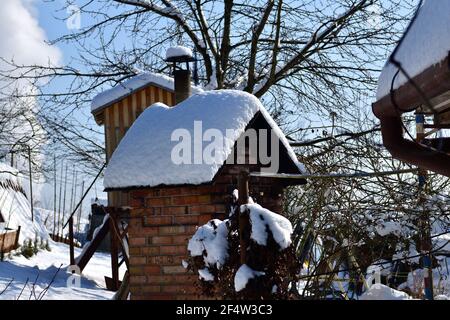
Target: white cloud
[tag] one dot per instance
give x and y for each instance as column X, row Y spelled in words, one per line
column 22, row 39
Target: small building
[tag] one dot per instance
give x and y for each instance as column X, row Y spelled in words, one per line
column 417, row 79
column 117, row 109
column 180, row 166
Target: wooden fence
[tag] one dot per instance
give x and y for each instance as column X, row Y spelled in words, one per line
column 9, row 240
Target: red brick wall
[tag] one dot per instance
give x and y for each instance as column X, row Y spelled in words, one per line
column 163, row 219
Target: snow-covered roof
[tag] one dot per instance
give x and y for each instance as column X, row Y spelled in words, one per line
column 144, row 155
column 7, row 172
column 426, row 44
column 131, row 85
column 178, row 51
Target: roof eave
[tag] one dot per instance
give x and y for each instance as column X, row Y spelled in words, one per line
column 433, row 82
column 106, row 105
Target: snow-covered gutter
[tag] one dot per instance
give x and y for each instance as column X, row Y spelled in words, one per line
column 434, row 84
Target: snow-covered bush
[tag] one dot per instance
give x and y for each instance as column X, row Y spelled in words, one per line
column 271, row 265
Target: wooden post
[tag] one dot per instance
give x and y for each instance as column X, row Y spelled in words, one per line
column 59, row 201
column 64, row 202
column 81, row 207
column 424, row 220
column 31, row 183
column 243, row 216
column 16, row 242
column 72, row 252
column 124, row 289
column 114, row 252
column 54, row 196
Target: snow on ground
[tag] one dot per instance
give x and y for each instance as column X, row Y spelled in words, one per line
column 425, row 45
column 41, row 268
column 178, row 51
column 382, row 292
column 44, row 266
column 150, row 152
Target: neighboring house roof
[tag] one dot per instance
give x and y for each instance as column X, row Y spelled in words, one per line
column 426, row 44
column 110, row 96
column 143, row 157
column 15, row 207
column 7, row 172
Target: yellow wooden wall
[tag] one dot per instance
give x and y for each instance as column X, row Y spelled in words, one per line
column 119, row 117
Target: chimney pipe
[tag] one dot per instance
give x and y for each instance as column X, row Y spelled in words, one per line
column 182, row 79
column 178, row 56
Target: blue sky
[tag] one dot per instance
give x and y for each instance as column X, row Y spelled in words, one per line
column 49, row 17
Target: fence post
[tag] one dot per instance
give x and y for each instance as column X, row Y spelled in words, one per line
column 16, row 242
column 243, row 216
column 114, row 251
column 72, row 252
column 424, row 220
column 31, row 183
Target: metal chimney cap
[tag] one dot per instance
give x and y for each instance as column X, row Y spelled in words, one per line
column 179, row 54
column 181, row 59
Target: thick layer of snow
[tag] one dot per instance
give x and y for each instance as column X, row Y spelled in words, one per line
column 178, row 51
column 262, row 220
column 243, row 275
column 210, row 241
column 205, row 275
column 135, row 83
column 144, row 156
column 44, row 266
column 427, row 44
column 16, row 209
column 382, row 292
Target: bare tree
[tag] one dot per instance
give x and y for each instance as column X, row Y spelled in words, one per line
column 303, row 58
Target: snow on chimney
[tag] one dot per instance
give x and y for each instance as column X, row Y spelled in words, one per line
column 182, row 77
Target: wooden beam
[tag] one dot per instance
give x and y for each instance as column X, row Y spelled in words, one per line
column 114, row 252
column 82, row 260
column 243, row 190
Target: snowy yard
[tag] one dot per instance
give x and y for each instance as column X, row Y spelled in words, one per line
column 37, row 272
